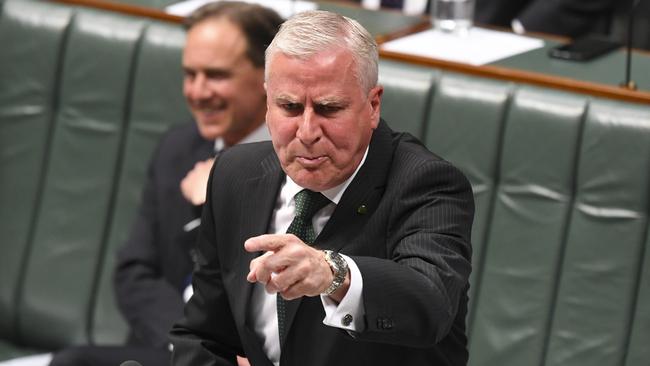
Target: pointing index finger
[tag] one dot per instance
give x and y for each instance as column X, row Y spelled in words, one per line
column 266, row 242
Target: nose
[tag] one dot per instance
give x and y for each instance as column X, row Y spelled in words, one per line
column 197, row 87
column 309, row 130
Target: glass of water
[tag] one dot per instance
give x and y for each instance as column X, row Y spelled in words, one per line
column 452, row 16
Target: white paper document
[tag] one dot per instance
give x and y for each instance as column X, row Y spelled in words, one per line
column 478, row 47
column 42, row 359
column 285, row 8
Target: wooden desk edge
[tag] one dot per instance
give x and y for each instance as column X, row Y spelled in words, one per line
column 128, row 9
column 489, row 71
column 508, row 74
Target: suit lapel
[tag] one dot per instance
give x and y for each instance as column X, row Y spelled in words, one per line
column 362, row 195
column 257, row 209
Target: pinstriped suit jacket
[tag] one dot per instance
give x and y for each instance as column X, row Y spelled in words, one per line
column 412, row 246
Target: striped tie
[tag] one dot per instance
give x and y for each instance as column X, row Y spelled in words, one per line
column 307, row 204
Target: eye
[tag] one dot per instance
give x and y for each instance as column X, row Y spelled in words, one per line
column 189, row 74
column 292, row 108
column 327, row 109
column 217, row 74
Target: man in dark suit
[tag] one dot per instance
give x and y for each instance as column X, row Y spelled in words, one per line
column 339, row 243
column 223, row 62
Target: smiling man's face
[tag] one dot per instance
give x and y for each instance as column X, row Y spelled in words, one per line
column 320, row 118
column 223, row 89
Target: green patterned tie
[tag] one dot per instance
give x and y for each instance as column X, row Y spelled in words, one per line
column 307, row 204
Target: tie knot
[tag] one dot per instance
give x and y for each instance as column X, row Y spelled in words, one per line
column 308, row 203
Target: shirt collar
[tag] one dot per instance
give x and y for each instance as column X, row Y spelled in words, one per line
column 261, row 133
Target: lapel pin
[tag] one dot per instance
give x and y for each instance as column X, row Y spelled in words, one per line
column 362, row 210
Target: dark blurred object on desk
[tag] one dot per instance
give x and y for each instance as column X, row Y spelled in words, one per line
column 571, row 18
column 640, row 32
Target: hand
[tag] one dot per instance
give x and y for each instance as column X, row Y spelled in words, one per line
column 242, row 361
column 289, row 266
column 195, row 183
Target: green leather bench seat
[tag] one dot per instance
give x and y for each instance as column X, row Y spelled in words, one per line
column 607, row 237
column 561, row 181
column 523, row 245
column 26, row 103
column 84, row 97
column 79, row 178
column 156, row 103
column 561, row 262
column 638, row 350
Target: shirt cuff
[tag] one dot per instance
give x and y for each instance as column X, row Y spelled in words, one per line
column 349, row 313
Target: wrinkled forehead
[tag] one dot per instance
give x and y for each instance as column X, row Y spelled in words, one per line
column 325, row 78
column 334, row 65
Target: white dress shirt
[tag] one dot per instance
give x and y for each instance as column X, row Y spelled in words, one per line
column 263, row 309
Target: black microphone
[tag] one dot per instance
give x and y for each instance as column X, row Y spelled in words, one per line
column 130, row 363
column 629, row 83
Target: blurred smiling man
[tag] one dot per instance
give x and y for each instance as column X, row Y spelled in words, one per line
column 223, row 82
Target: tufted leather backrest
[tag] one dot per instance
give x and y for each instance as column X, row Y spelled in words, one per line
column 156, row 104
column 26, row 119
column 561, row 181
column 598, row 279
column 527, row 223
column 84, row 97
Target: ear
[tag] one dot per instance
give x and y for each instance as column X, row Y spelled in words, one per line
column 374, row 98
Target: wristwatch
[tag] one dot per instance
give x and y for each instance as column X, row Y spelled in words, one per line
column 339, row 268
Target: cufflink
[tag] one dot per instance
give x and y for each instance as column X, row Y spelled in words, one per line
column 347, row 320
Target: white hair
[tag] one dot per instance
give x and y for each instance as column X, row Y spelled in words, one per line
column 310, row 32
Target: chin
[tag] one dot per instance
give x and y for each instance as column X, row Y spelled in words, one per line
column 304, row 179
column 313, row 180
column 210, row 132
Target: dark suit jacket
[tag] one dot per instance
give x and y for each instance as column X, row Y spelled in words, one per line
column 565, row 17
column 412, row 246
column 155, row 260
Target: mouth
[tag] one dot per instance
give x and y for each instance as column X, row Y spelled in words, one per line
column 311, row 162
column 209, row 110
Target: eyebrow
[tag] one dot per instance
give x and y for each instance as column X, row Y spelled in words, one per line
column 207, row 70
column 324, row 102
column 332, row 101
column 285, row 98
